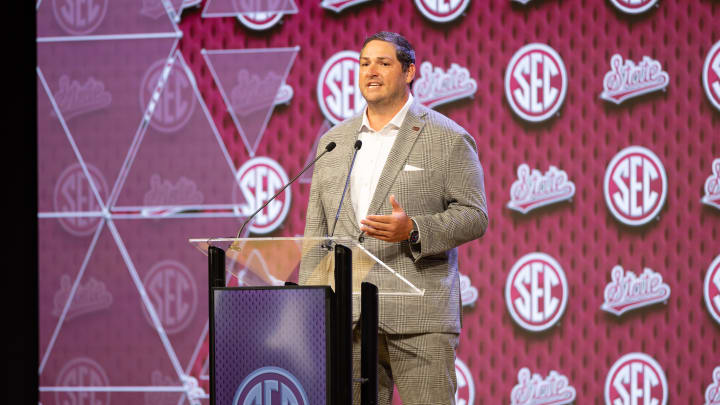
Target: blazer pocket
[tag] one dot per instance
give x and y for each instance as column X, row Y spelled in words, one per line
column 419, row 191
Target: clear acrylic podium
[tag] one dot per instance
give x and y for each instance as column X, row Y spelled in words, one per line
column 340, row 273
column 257, row 262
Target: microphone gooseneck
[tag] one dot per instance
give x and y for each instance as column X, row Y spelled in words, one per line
column 328, row 148
column 357, row 146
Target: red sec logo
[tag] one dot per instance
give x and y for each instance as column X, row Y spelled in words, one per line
column 535, row 82
column 711, row 289
column 635, row 186
column 442, row 10
column 173, row 293
column 536, row 292
column 636, row 379
column 258, row 180
column 337, row 89
column 711, row 75
column 633, row 6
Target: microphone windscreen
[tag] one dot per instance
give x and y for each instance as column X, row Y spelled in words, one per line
column 358, row 144
column 330, row 146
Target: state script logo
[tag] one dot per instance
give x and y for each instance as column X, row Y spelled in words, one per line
column 711, row 75
column 435, row 86
column 74, row 98
column 259, row 179
column 338, row 93
column 627, row 291
column 442, row 11
column 712, row 186
column 468, row 293
column 636, row 379
column 635, row 186
column 535, row 82
column 533, row 190
column 626, row 80
column 536, row 292
column 270, row 385
column 535, row 390
column 712, row 392
column 88, row 298
column 633, row 6
column 711, row 289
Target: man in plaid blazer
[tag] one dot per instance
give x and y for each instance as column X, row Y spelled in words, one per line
column 416, row 193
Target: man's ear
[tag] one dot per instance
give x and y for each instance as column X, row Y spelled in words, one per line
column 410, row 74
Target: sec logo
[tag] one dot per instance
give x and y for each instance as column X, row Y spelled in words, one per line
column 258, row 180
column 338, row 93
column 82, row 372
column 535, row 82
column 633, row 6
column 177, row 100
column 73, row 194
column 711, row 75
column 442, row 11
column 635, row 186
column 270, row 385
column 536, row 292
column 173, row 293
column 259, row 21
column 636, row 379
column 465, row 394
column 711, row 289
column 79, row 17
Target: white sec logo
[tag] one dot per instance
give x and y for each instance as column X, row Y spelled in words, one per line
column 633, row 6
column 442, row 10
column 465, row 394
column 636, row 379
column 177, row 100
column 635, row 186
column 535, row 82
column 338, row 92
column 711, row 75
column 259, row 21
column 536, row 292
column 711, row 289
column 82, row 372
column 259, row 179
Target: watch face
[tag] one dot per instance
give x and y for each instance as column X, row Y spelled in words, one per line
column 414, row 236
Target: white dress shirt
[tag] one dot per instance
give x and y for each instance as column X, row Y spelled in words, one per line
column 371, row 159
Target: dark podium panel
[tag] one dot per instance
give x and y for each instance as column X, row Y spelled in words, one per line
column 271, row 345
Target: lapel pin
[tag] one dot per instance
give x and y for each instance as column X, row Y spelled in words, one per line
column 415, row 128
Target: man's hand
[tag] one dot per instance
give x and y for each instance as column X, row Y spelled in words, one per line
column 395, row 227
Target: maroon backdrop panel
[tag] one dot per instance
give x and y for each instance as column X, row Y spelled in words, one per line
column 597, row 124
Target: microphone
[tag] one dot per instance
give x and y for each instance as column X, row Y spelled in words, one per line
column 357, row 146
column 328, row 148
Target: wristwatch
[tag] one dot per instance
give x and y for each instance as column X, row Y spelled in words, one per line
column 414, row 236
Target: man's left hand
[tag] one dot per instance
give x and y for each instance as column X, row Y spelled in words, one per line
column 395, row 227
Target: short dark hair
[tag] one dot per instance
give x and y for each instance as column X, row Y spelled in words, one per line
column 403, row 50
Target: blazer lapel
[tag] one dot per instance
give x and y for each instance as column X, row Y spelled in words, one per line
column 408, row 133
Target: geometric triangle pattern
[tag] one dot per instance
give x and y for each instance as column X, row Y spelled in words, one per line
column 249, row 80
column 181, row 129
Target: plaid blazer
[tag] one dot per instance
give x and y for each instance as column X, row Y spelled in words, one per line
column 446, row 199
